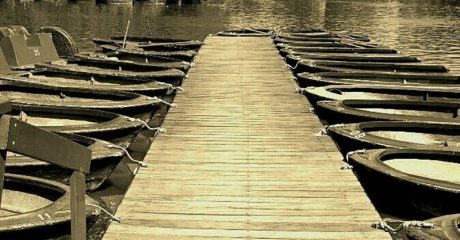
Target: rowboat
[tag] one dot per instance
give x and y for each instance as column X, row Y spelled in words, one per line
column 382, row 92
column 368, row 77
column 388, row 58
column 299, row 51
column 105, row 157
column 314, row 66
column 180, row 55
column 91, row 123
column 169, row 75
column 293, row 45
column 288, row 39
column 394, row 134
column 53, row 79
column 321, row 33
column 444, row 227
column 364, row 110
column 24, row 94
column 152, row 42
column 103, row 61
column 330, row 42
column 38, row 207
column 414, row 182
column 246, row 32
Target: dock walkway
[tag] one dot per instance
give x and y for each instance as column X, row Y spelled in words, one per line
column 239, row 160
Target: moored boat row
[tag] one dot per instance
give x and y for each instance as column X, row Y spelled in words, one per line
column 99, row 101
column 392, row 117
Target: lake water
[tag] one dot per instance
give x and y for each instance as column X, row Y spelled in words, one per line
column 428, row 29
column 425, row 28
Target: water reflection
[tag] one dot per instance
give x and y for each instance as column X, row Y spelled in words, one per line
column 425, row 28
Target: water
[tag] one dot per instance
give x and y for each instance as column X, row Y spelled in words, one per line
column 428, row 29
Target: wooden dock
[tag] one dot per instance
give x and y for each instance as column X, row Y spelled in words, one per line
column 240, row 161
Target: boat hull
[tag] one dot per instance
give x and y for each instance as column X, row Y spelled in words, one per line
column 394, row 134
column 48, row 220
column 395, row 192
column 445, row 227
column 354, row 111
column 342, row 78
column 103, row 161
column 382, row 92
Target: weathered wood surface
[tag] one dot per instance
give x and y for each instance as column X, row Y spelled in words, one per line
column 239, row 160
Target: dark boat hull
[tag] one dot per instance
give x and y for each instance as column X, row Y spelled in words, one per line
column 170, row 75
column 165, row 43
column 246, row 32
column 314, row 66
column 187, row 55
column 104, row 61
column 322, row 79
column 353, row 111
column 54, row 79
column 299, row 51
column 22, row 93
column 382, row 92
column 445, row 228
column 402, row 194
column 394, row 134
column 103, row 125
column 103, row 161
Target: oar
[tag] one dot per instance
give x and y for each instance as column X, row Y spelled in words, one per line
column 126, row 34
column 148, row 25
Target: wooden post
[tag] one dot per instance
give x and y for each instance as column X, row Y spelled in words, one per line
column 126, row 34
column 2, row 172
column 78, row 206
column 148, row 25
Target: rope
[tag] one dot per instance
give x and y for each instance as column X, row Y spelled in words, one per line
column 293, row 68
column 354, row 152
column 188, row 63
column 303, row 90
column 173, row 105
column 383, row 225
column 142, row 164
column 346, row 166
column 322, row 132
column 114, row 217
column 160, row 129
column 171, row 86
column 340, row 125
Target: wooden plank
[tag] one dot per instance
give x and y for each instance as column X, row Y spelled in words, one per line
column 240, row 161
column 78, row 205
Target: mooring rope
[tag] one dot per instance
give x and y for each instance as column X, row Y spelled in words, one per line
column 114, row 217
column 354, row 152
column 169, row 85
column 141, row 163
column 303, row 90
column 160, row 129
column 293, row 68
column 383, row 225
column 173, row 105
